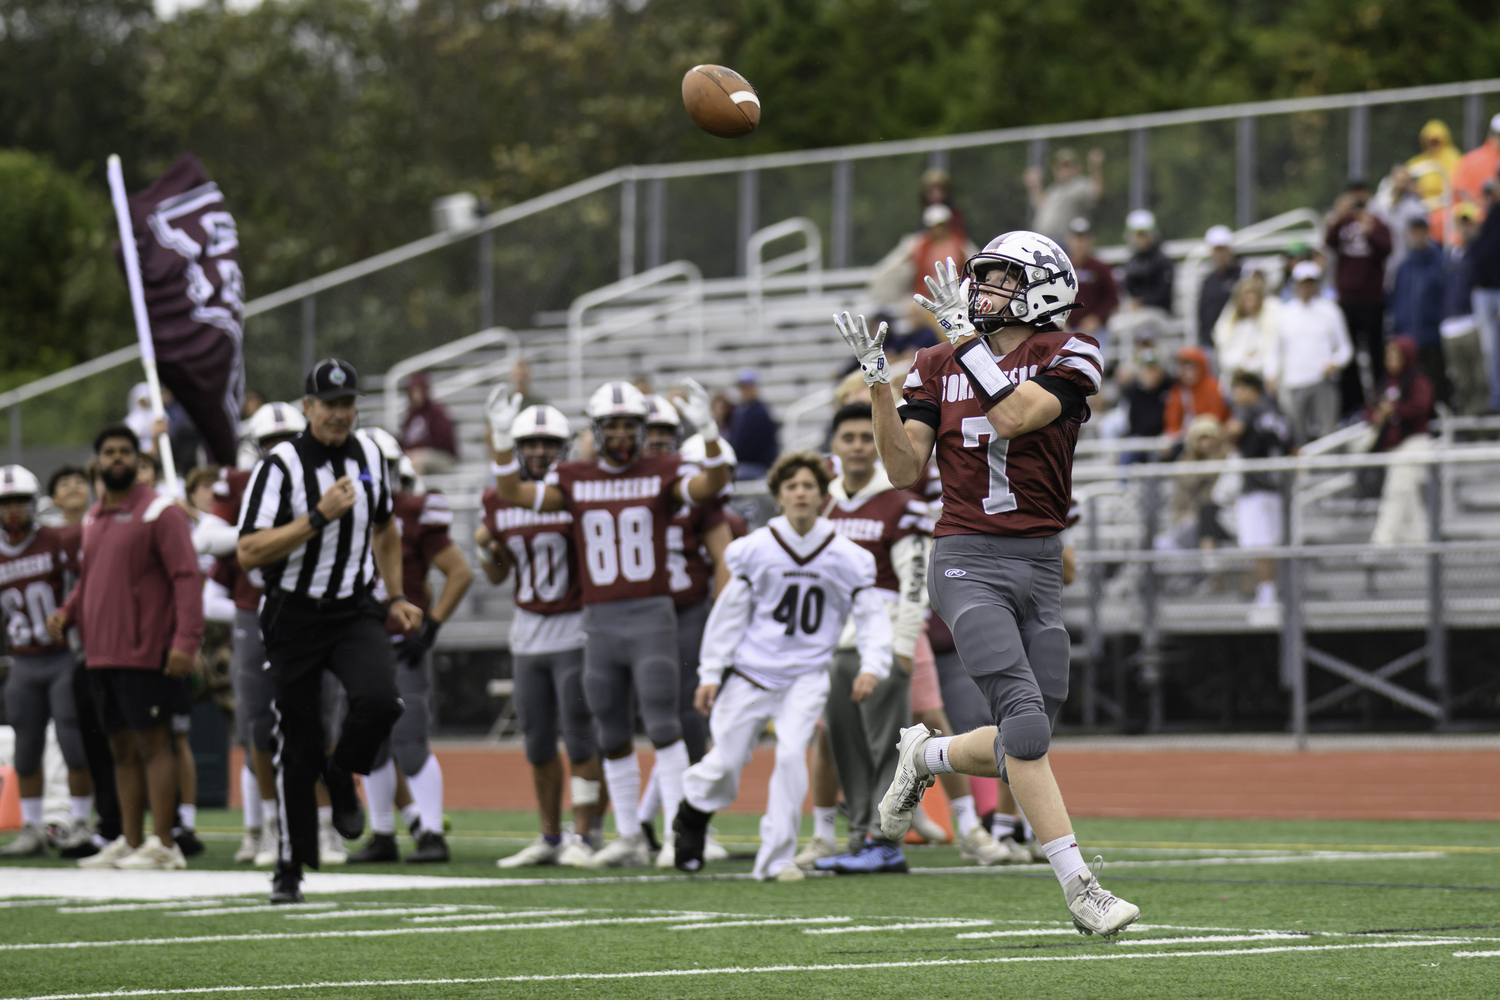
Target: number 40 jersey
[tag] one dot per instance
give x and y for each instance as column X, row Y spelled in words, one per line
column 785, row 605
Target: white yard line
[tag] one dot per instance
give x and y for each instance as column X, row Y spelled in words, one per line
column 1133, row 928
column 919, row 925
column 772, row 922
column 287, row 908
column 130, row 907
column 395, row 911
column 514, row 915
column 1476, row 954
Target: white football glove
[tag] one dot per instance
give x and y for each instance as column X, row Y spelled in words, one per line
column 501, row 408
column 868, row 351
column 949, row 304
column 697, row 409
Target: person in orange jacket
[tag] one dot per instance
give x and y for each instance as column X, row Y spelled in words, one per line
column 1196, row 392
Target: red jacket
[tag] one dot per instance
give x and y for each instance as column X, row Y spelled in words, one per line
column 139, row 591
column 1185, row 402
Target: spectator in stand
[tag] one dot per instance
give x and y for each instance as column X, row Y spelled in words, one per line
column 1196, row 393
column 1312, row 348
column 1195, row 513
column 1433, row 166
column 1401, row 416
column 1484, row 272
column 1468, row 388
column 1417, row 304
column 752, row 432
column 1362, row 243
column 1148, row 273
column 1143, row 394
column 1296, row 252
column 939, row 241
column 937, row 189
column 1098, row 298
column 1478, row 166
column 1259, row 431
column 1070, row 195
column 1218, row 283
column 1245, row 334
column 1397, row 204
column 138, row 604
column 427, row 431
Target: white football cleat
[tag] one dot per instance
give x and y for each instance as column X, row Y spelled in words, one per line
column 331, row 849
column 978, row 845
column 791, row 873
column 270, row 843
column 928, row 828
column 630, row 851
column 666, row 858
column 712, row 849
column 1019, row 855
column 911, row 781
column 249, row 847
column 153, row 855
column 1095, row 909
column 816, row 848
column 1033, row 847
column 538, row 852
column 575, row 853
column 31, row 842
column 110, row 856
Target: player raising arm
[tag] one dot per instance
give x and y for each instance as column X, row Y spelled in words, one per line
column 1002, row 402
column 766, row 654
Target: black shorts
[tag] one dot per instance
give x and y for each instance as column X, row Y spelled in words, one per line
column 130, row 698
column 181, row 705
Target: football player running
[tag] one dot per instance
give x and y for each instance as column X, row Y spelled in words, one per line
column 622, row 504
column 1002, row 402
column 766, row 657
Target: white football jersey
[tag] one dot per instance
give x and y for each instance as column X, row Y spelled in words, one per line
column 782, row 613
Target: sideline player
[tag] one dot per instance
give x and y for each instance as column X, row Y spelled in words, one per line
column 622, row 503
column 767, row 655
column 33, row 561
column 1002, row 402
column 546, row 644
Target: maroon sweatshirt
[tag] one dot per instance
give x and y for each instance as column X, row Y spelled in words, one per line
column 1359, row 274
column 139, row 591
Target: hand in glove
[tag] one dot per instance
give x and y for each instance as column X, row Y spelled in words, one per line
column 501, row 408
column 697, row 410
column 949, row 304
column 413, row 649
column 868, row 351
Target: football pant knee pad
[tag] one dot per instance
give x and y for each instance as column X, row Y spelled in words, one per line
column 1048, row 651
column 583, row 791
column 1024, row 737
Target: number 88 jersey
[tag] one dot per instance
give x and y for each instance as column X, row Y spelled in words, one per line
column 33, row 586
column 1020, row 487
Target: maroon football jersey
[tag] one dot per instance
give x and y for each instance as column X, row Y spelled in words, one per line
column 423, row 520
column 541, row 546
column 689, row 573
column 620, row 520
column 32, row 586
column 245, row 588
column 878, row 522
column 1021, row 487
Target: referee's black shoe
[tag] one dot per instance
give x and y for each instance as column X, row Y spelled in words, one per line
column 286, row 883
column 348, row 814
column 382, row 847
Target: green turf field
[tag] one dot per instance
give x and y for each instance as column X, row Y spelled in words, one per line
column 1230, row 909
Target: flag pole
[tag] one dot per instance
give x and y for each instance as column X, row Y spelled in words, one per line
column 142, row 321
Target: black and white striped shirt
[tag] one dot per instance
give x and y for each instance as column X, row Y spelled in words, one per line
column 339, row 561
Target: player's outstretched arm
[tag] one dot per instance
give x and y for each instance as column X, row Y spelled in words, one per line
column 503, row 408
column 697, row 408
column 1029, row 408
column 904, row 448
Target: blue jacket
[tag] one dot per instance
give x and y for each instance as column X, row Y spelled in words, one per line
column 1416, row 302
column 752, row 434
column 1457, row 284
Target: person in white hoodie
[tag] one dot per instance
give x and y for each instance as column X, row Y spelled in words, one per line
column 1311, row 349
column 766, row 653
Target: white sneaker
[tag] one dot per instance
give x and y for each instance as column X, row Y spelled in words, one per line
column 153, row 855
column 712, row 849
column 666, row 858
column 110, row 856
column 630, row 851
column 270, row 843
column 815, row 849
column 1033, row 847
column 911, row 781
column 1019, row 855
column 928, row 828
column 1095, row 909
column 249, row 848
column 978, row 845
column 791, row 873
column 575, row 853
column 31, row 842
column 538, row 852
column 331, row 849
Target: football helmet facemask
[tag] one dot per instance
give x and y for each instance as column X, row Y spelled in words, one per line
column 541, row 434
column 1030, row 276
column 618, row 401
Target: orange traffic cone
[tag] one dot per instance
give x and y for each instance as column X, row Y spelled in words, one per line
column 10, row 799
column 935, row 803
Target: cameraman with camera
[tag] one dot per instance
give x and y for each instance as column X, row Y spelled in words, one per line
column 1362, row 242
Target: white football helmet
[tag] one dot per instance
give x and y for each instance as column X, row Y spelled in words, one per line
column 407, row 473
column 540, row 422
column 612, row 400
column 1030, row 274
column 661, row 413
column 389, row 447
column 17, row 482
column 275, row 420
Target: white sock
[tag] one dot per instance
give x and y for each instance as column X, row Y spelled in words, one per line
column 31, row 811
column 325, row 816
column 968, row 817
column 935, row 755
column 250, row 795
column 188, row 814
column 823, row 817
column 82, row 806
column 268, row 810
column 1066, row 858
column 671, row 763
column 411, row 816
column 651, row 801
column 624, row 779
column 1006, row 825
column 380, row 795
column 427, row 793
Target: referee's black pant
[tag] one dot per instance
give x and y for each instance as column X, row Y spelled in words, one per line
column 302, row 640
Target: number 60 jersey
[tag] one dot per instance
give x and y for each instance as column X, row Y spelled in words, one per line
column 1021, row 487
column 786, row 603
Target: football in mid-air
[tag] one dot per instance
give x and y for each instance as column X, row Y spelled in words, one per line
column 720, row 101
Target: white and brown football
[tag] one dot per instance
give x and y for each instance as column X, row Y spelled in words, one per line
column 720, row 101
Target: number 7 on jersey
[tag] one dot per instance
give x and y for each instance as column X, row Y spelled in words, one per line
column 1001, row 499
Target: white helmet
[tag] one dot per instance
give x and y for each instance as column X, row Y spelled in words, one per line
column 617, row 399
column 661, row 413
column 275, row 419
column 406, row 471
column 389, row 447
column 17, row 481
column 540, row 421
column 1043, row 285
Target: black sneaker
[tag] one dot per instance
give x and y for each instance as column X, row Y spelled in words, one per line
column 286, row 883
column 431, row 847
column 189, row 842
column 649, row 830
column 382, row 847
column 691, row 830
column 348, row 814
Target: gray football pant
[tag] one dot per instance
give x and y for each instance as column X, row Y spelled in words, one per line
column 632, row 642
column 1002, row 599
column 408, row 739
column 549, row 688
column 253, row 718
column 962, row 699
column 690, row 624
column 40, row 686
column 864, row 736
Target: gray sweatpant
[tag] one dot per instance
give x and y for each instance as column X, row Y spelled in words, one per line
column 632, row 642
column 408, row 739
column 549, row 689
column 690, row 624
column 253, row 718
column 863, row 738
column 40, row 687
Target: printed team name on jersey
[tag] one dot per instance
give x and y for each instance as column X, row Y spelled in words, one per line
column 19, row 569
column 859, row 529
column 956, row 388
column 609, row 490
column 510, row 518
column 809, row 574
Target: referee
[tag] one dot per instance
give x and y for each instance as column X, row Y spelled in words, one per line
column 317, row 523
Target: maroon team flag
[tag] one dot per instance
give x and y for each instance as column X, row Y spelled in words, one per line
column 195, row 298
